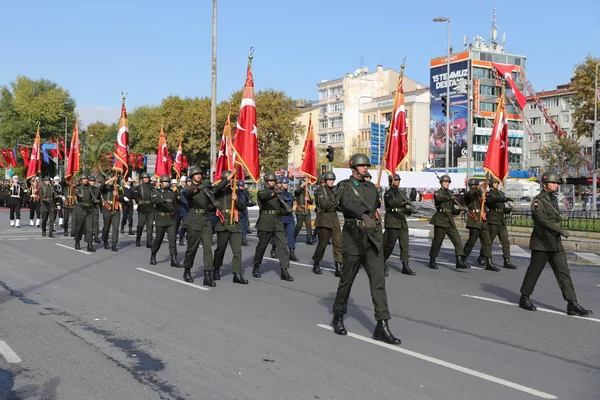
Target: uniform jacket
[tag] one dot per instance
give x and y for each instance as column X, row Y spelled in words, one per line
column 546, row 235
column 223, row 196
column 164, row 201
column 396, row 208
column 287, row 218
column 68, row 196
column 473, row 203
column 301, row 200
column 142, row 195
column 269, row 218
column 443, row 203
column 107, row 194
column 200, row 205
column 326, row 207
column 47, row 198
column 84, row 197
column 495, row 200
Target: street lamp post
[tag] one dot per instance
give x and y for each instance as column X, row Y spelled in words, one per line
column 594, row 161
column 447, row 20
column 65, row 159
column 213, row 104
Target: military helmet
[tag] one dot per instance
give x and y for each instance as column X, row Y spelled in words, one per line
column 397, row 177
column 269, row 176
column 194, row 171
column 188, row 179
column 83, row 176
column 165, row 178
column 225, row 173
column 284, row 179
column 144, row 175
column 328, row 176
column 240, row 182
column 551, row 177
column 473, row 182
column 494, row 180
column 359, row 159
column 445, row 178
column 92, row 178
column 47, row 179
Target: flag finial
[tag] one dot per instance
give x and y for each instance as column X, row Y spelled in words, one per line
column 124, row 96
column 250, row 57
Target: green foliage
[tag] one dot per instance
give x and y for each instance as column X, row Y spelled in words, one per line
column 582, row 101
column 562, row 153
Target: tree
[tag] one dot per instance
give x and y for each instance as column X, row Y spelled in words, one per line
column 99, row 132
column 563, row 154
column 93, row 156
column 582, row 101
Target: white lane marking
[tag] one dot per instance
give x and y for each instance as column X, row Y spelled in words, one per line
column 591, row 257
column 19, row 239
column 300, row 264
column 564, row 314
column 9, row 355
column 449, row 365
column 438, row 262
column 172, row 279
column 71, row 248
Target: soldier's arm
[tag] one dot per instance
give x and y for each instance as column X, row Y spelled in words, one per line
column 298, row 191
column 441, row 197
column 240, row 204
column 220, row 186
column 539, row 215
column 192, row 191
column 157, row 198
column 349, row 203
column 265, row 195
column 495, row 197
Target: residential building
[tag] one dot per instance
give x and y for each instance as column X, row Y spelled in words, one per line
column 307, row 111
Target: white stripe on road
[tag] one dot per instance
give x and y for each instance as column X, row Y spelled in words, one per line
column 72, row 248
column 9, row 355
column 564, row 314
column 590, row 257
column 437, row 262
column 172, row 279
column 449, row 365
column 297, row 263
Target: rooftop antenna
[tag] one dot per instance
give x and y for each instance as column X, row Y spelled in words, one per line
column 494, row 31
column 362, row 59
column 465, row 41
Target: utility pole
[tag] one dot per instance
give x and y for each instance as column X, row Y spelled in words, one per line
column 213, row 105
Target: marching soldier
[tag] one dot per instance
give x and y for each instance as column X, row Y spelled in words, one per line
column 127, row 205
column 546, row 247
column 201, row 202
column 111, row 212
column 327, row 224
column 142, row 195
column 229, row 228
column 477, row 225
column 68, row 209
column 397, row 207
column 14, row 201
column 186, row 181
column 34, row 202
column 270, row 224
column 177, row 189
column 95, row 209
column 443, row 221
column 303, row 200
column 57, row 186
column 497, row 225
column 83, row 212
column 164, row 200
column 48, row 206
column 244, row 196
column 362, row 245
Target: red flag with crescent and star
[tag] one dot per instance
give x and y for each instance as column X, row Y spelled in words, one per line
column 245, row 145
column 73, row 160
column 35, row 162
column 309, row 156
column 177, row 166
column 496, row 159
column 225, row 158
column 122, row 145
column 24, row 155
column 398, row 133
column 162, row 156
column 505, row 71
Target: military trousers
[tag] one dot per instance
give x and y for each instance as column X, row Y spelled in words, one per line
column 502, row 233
column 289, row 235
column 171, row 230
column 264, row 237
column 439, row 233
column 95, row 221
column 558, row 263
column 146, row 218
column 48, row 217
column 235, row 243
column 34, row 209
column 110, row 219
column 325, row 234
column 194, row 239
column 303, row 220
column 372, row 262
column 15, row 208
column 67, row 212
column 390, row 236
column 484, row 237
column 127, row 215
column 83, row 220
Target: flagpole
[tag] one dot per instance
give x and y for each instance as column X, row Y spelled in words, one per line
column 213, row 104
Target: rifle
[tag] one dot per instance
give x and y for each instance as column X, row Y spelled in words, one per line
column 460, row 207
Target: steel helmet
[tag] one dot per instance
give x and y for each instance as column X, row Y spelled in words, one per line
column 225, row 173
column 359, row 159
column 494, row 180
column 194, row 171
column 551, row 177
column 47, row 179
column 327, row 176
column 397, row 177
column 144, row 175
column 284, row 179
column 269, row 176
column 92, row 178
column 472, row 182
column 83, row 176
column 445, row 178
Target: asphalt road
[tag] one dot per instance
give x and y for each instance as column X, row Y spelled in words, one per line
column 76, row 325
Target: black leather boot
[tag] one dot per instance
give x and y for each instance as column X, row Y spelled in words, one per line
column 106, row 246
column 317, row 268
column 293, row 255
column 187, row 275
column 526, row 304
column 153, row 258
column 309, row 241
column 239, row 278
column 432, row 263
column 481, row 261
column 96, row 239
column 181, row 241
column 406, row 269
column 489, row 265
column 51, row 233
column 122, row 229
column 386, row 270
column 338, row 269
column 138, row 238
column 256, row 271
column 285, row 275
column 91, row 248
column 508, row 264
column 382, row 332
column 573, row 308
column 149, row 242
column 77, row 245
column 461, row 262
column 208, row 281
column 113, row 247
column 338, row 325
column 245, row 242
column 43, row 233
column 216, row 273
column 131, row 231
column 66, row 232
column 273, row 252
column 174, row 262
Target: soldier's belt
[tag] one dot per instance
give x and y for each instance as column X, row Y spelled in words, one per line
column 108, row 201
column 168, row 214
column 358, row 222
column 145, row 202
column 198, row 210
column 395, row 210
column 85, row 204
column 272, row 212
column 444, row 210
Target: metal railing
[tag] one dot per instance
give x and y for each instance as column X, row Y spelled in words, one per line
column 571, row 220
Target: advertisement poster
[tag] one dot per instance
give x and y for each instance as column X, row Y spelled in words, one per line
column 459, row 71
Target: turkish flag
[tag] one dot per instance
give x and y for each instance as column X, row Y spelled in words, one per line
column 309, row 154
column 122, row 145
column 162, row 156
column 73, row 161
column 506, row 72
column 25, row 155
column 13, row 158
column 184, row 162
column 397, row 148
column 245, row 145
column 225, row 158
column 140, row 160
column 178, row 160
column 6, row 156
column 496, row 159
column 35, row 162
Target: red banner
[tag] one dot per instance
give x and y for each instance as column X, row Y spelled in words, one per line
column 62, row 146
column 506, row 72
column 73, row 162
column 5, row 156
column 225, row 158
column 13, row 158
column 24, row 155
column 178, row 160
column 398, row 134
column 35, row 162
column 309, row 154
column 184, row 162
column 162, row 156
column 122, row 145
column 496, row 159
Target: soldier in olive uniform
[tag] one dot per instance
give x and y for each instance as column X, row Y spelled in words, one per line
column 270, row 224
column 201, row 203
column 111, row 212
column 362, row 244
column 327, row 224
column 16, row 194
column 127, row 205
column 142, row 195
column 164, row 200
column 478, row 226
column 68, row 209
column 303, row 200
column 83, row 212
column 496, row 200
column 546, row 247
column 229, row 228
column 95, row 210
column 443, row 222
column 397, row 207
column 48, row 206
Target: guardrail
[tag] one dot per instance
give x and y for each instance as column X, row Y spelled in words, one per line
column 580, row 220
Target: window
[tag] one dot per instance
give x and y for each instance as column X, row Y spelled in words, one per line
column 336, row 107
column 388, row 116
column 322, row 94
column 488, row 107
column 548, row 103
column 566, row 118
column 514, row 158
column 322, row 110
column 548, row 136
column 534, row 154
column 336, row 91
column 323, row 139
column 515, row 125
column 565, row 103
column 335, row 122
column 323, row 124
column 535, row 137
column 336, row 137
column 368, row 119
column 532, row 105
column 535, row 121
column 489, row 90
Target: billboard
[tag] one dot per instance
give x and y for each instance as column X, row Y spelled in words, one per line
column 459, row 72
column 377, row 142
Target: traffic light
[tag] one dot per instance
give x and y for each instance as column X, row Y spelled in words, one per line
column 444, row 106
column 330, row 154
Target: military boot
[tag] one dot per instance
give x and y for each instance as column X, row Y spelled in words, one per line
column 138, row 237
column 51, row 232
column 508, row 264
column 106, row 246
column 338, row 325
column 187, row 275
column 43, row 233
column 149, row 242
column 113, row 247
column 317, row 268
column 273, row 252
column 406, row 269
column 573, row 308
column 91, row 248
column 383, row 333
column 153, row 258
column 432, row 263
column 481, row 261
column 338, row 269
column 131, row 231
column 122, row 229
column 208, row 281
column 66, row 232
column 461, row 262
column 285, row 275
column 526, row 304
column 256, row 271
column 489, row 265
column 216, row 273
column 77, row 245
column 96, row 239
column 239, row 278
column 245, row 242
column 309, row 241
column 174, row 262
column 293, row 255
